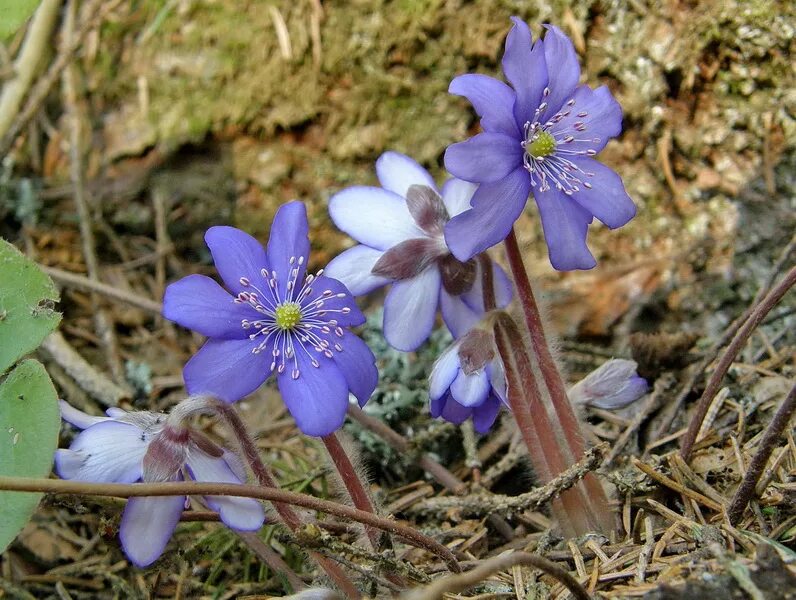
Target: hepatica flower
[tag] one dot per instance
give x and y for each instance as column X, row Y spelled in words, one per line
column 468, row 381
column 611, row 386
column 127, row 447
column 540, row 135
column 400, row 227
column 275, row 318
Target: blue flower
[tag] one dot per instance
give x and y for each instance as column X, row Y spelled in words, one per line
column 127, row 447
column 468, row 381
column 611, row 386
column 539, row 135
column 277, row 319
column 400, row 227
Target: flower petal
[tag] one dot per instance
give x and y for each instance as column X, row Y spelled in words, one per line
column 492, row 100
column 470, row 390
column 563, row 70
column 593, row 120
column 199, row 303
column 458, row 316
column 444, row 371
column 397, row 172
column 606, row 199
column 485, row 158
column 354, row 269
column 317, row 398
column 336, row 303
column 77, row 417
column 244, row 514
column 110, row 452
column 375, row 217
column 456, row 194
column 526, row 69
column 410, row 308
column 227, row 369
column 289, row 245
column 565, row 224
column 236, row 254
column 454, row 412
column 504, row 290
column 484, row 416
column 357, row 364
column 495, row 208
column 147, row 524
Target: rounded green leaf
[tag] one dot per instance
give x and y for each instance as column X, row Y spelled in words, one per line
column 27, row 305
column 15, row 13
column 30, row 422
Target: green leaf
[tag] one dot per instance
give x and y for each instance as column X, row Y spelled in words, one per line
column 15, row 13
column 27, row 297
column 28, row 438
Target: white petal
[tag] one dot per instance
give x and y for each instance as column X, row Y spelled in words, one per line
column 445, row 370
column 111, row 452
column 470, row 390
column 147, row 525
column 410, row 308
column 397, row 172
column 77, row 417
column 456, row 194
column 238, row 513
column 373, row 216
column 353, row 268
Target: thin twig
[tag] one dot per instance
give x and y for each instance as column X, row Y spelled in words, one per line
column 765, row 447
column 464, row 581
column 759, row 312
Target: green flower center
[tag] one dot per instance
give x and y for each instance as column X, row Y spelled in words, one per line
column 542, row 144
column 288, row 315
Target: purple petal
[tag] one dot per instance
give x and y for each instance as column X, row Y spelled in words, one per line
column 289, row 245
column 444, row 371
column 563, row 69
column 409, row 310
column 593, row 120
column 244, row 514
column 470, row 390
column 484, row 416
column 199, row 303
column 492, row 99
column 565, row 224
column 397, row 172
column 354, row 269
column 606, row 199
column 318, row 397
column 485, row 158
column 227, row 369
column 357, row 364
column 373, row 216
column 147, row 525
column 495, row 208
column 454, row 412
column 77, row 417
column 236, row 254
column 504, row 290
column 458, row 316
column 110, row 452
column 526, row 69
column 336, row 302
column 456, row 194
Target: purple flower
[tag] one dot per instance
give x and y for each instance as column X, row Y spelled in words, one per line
column 613, row 385
column 400, row 227
column 276, row 319
column 539, row 135
column 468, row 381
column 127, row 447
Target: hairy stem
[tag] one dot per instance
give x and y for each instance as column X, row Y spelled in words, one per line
column 356, row 489
column 758, row 314
column 764, row 449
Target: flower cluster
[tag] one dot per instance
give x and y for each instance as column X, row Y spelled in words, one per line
column 127, row 447
column 539, row 136
column 275, row 318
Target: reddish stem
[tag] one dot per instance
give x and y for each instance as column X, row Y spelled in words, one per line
column 758, row 314
column 356, row 489
column 552, row 379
